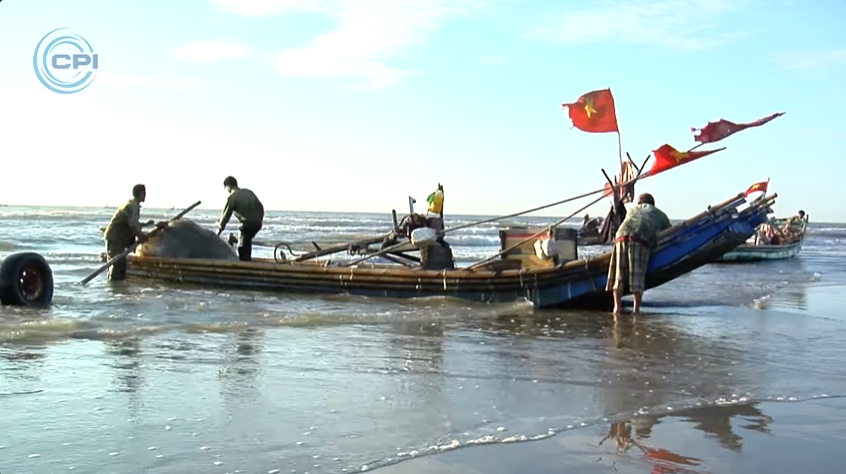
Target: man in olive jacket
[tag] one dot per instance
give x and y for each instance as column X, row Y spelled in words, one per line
column 124, row 229
column 249, row 211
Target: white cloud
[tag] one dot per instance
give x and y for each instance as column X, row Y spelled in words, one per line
column 203, row 51
column 812, row 60
column 370, row 33
column 681, row 24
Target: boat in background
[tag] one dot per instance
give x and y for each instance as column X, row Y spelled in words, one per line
column 539, row 265
column 778, row 239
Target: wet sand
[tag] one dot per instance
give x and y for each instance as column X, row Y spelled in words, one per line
column 774, row 435
column 768, row 437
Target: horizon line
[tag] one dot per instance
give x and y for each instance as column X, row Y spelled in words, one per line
column 174, row 208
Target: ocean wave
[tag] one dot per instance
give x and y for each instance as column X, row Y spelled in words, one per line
column 830, row 234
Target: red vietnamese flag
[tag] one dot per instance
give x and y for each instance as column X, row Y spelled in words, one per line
column 762, row 187
column 667, row 157
column 594, row 112
column 716, row 131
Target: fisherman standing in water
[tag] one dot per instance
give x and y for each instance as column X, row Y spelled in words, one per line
column 248, row 210
column 124, row 229
column 632, row 250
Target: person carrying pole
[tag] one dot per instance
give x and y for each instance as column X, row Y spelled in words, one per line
column 123, row 230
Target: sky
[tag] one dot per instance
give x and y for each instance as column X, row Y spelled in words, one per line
column 353, row 105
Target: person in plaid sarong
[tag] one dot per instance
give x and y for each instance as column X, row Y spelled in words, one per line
column 632, row 248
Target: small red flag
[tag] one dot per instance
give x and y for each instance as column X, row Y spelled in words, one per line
column 762, row 186
column 716, row 131
column 667, row 157
column 594, row 112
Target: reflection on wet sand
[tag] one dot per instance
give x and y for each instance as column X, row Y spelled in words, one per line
column 421, row 341
column 714, row 421
column 240, row 368
column 129, row 370
column 662, row 461
column 789, row 297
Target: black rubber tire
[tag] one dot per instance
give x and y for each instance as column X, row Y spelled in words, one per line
column 26, row 280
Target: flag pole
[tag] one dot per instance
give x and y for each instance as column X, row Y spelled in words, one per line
column 620, row 149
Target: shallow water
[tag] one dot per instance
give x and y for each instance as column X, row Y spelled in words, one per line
column 171, row 379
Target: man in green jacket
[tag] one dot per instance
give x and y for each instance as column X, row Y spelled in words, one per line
column 632, row 249
column 248, row 210
column 124, row 229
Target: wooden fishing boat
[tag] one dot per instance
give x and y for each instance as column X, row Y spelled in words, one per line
column 759, row 248
column 562, row 280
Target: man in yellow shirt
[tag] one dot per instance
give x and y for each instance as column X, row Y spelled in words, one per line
column 248, row 210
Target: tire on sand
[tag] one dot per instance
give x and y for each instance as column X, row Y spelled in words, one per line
column 26, row 280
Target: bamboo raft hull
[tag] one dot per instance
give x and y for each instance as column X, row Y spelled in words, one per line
column 580, row 283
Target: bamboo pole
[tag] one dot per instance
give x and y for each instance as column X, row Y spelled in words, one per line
column 615, row 194
column 620, row 148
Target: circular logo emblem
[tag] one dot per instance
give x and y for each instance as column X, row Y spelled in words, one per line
column 64, row 62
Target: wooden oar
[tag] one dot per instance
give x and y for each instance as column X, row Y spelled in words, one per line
column 131, row 249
